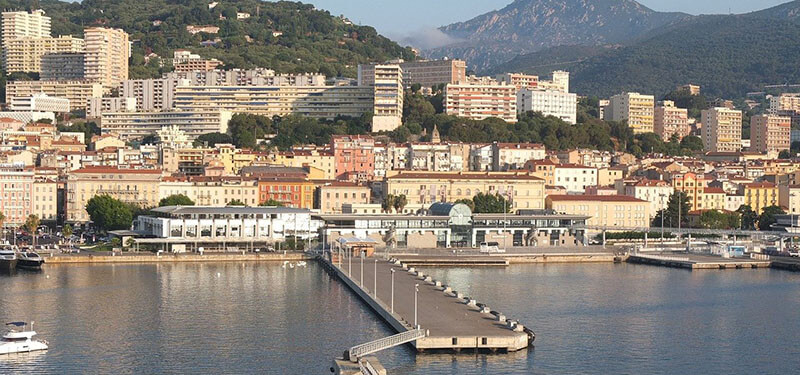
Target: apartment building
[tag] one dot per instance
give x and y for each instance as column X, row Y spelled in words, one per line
column 25, row 54
column 198, row 65
column 519, row 80
column 135, row 186
column 770, row 133
column 671, row 120
column 637, row 109
column 550, row 103
column 784, row 102
column 246, row 77
column 63, row 66
column 609, row 211
column 16, row 193
column 136, row 125
column 654, row 191
column 95, row 107
column 39, row 103
column 511, row 156
column 354, row 157
column 523, row 190
column 478, row 102
column 322, row 160
column 693, row 185
column 107, row 55
column 289, row 191
column 789, row 198
column 151, row 94
column 77, row 92
column 332, row 196
column 388, row 98
column 45, row 196
column 211, row 191
column 559, row 82
column 22, row 24
column 722, row 129
column 426, row 73
column 574, row 178
column 760, row 195
column 310, row 101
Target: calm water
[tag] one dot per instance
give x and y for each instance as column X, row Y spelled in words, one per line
column 261, row 318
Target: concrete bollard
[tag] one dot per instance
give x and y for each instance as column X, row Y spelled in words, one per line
column 485, row 309
column 428, row 279
column 448, row 290
column 411, row 270
column 471, row 302
column 519, row 327
column 459, row 295
column 438, row 283
column 501, row 318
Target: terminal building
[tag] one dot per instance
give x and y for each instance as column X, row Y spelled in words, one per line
column 233, row 228
column 454, row 225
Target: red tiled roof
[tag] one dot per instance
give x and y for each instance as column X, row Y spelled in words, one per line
column 714, row 190
column 756, row 185
column 466, row 176
column 94, row 169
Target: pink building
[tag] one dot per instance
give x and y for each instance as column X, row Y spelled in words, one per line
column 16, row 193
column 354, row 157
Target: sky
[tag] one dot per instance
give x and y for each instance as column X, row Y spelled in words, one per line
column 398, row 19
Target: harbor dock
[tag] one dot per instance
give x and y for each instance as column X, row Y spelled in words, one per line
column 697, row 261
column 406, row 298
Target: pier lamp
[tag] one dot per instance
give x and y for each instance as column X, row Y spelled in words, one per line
column 375, row 280
column 416, row 292
column 362, row 270
column 392, row 297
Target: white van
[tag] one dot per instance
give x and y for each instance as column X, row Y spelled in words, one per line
column 491, row 247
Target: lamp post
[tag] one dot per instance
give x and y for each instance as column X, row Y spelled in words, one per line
column 375, row 280
column 663, row 211
column 349, row 262
column 361, row 281
column 392, row 297
column 791, row 214
column 416, row 292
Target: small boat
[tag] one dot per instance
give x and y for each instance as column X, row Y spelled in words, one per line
column 20, row 341
column 8, row 259
column 29, row 260
column 301, row 263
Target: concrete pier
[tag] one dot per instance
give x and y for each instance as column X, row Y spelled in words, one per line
column 453, row 321
column 170, row 257
column 697, row 262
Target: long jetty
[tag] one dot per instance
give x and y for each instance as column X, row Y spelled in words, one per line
column 407, row 298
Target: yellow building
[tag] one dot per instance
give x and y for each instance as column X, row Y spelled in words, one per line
column 107, row 55
column 212, row 191
column 78, row 92
column 760, row 195
column 610, row 211
column 713, row 198
column 135, row 186
column 522, row 189
column 332, row 196
column 25, row 54
column 637, row 109
column 770, row 133
column 322, row 161
column 694, row 186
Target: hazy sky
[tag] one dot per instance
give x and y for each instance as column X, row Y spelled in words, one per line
column 396, row 18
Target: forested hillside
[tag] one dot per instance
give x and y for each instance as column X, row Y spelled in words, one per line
column 310, row 40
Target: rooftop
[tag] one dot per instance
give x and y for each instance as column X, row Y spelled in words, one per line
column 586, row 198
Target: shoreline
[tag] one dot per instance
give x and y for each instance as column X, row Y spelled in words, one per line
column 177, row 258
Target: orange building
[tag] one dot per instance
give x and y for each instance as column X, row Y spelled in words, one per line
column 290, row 191
column 354, row 157
column 694, row 186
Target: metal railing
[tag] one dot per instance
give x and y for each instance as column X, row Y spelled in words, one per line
column 662, row 257
column 385, row 343
column 367, row 368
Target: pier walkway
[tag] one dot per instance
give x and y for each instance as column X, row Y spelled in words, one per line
column 451, row 320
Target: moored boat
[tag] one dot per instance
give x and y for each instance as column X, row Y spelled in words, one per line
column 20, row 341
column 8, row 259
column 29, row 260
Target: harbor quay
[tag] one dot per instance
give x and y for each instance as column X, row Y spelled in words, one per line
column 147, row 257
column 407, row 298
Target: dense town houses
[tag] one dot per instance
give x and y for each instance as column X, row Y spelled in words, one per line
column 173, row 134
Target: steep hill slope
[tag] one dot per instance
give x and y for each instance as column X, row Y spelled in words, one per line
column 310, row 40
column 526, row 26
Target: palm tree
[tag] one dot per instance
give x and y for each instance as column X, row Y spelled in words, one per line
column 388, row 203
column 32, row 224
column 400, row 203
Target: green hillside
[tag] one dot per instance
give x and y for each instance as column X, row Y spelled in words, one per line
column 728, row 55
column 312, row 40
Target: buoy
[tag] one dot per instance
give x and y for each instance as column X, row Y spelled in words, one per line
column 219, row 274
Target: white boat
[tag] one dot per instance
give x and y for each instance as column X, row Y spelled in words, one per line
column 8, row 259
column 301, row 263
column 20, row 341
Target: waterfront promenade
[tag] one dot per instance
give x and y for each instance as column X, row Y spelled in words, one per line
column 452, row 320
column 147, row 257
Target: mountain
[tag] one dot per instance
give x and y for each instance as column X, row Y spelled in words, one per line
column 526, row 26
column 727, row 55
column 788, row 12
column 310, row 40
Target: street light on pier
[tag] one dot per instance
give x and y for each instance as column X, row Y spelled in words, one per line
column 392, row 297
column 416, row 292
column 361, row 282
column 375, row 280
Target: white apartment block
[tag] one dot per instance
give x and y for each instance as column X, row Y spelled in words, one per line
column 519, row 80
column 511, row 156
column 247, row 77
column 137, row 125
column 426, row 73
column 722, row 129
column 549, row 103
column 655, row 192
column 311, row 101
column 560, row 82
column 637, row 109
column 77, row 92
column 770, row 133
column 23, row 25
column 107, row 55
column 574, row 178
column 671, row 120
column 784, row 102
column 97, row 106
column 45, row 198
column 151, row 94
column 28, row 116
column 40, row 103
column 25, row 54
column 478, row 102
column 388, row 98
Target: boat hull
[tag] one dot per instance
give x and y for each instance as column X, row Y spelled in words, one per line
column 30, row 264
column 22, row 347
column 8, row 264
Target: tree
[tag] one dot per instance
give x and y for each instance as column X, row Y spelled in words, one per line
column 212, row 139
column 713, row 219
column 748, row 217
column 32, row 226
column 468, row 202
column 67, row 231
column 272, row 203
column 400, row 203
column 176, row 200
column 767, row 218
column 149, row 139
column 785, row 154
column 109, row 213
column 236, row 202
column 2, row 225
column 677, row 206
column 388, row 203
column 485, row 203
